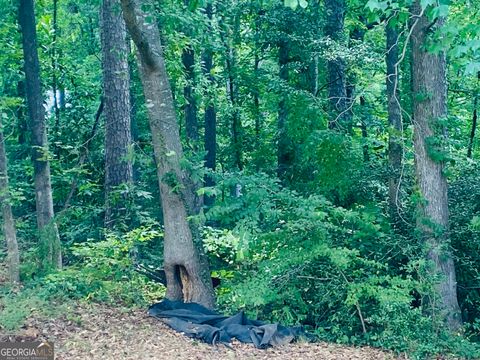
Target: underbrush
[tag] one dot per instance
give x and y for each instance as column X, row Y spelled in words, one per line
column 282, row 257
column 101, row 271
column 340, row 272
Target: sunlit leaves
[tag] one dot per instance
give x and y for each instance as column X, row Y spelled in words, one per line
column 294, row 3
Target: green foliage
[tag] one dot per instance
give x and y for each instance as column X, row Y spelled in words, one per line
column 104, row 270
column 326, row 153
column 317, row 248
column 408, row 330
column 16, row 306
column 301, row 260
column 171, row 179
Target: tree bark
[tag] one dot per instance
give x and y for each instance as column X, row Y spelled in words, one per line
column 9, row 231
column 50, row 248
column 474, row 127
column 430, row 110
column 20, row 114
column 474, row 123
column 190, row 108
column 210, row 138
column 395, row 150
column 364, row 128
column 116, row 83
column 341, row 118
column 185, row 264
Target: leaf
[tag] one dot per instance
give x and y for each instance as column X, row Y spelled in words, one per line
column 376, row 5
column 291, row 4
column 440, row 11
column 303, row 3
column 472, row 68
column 425, row 3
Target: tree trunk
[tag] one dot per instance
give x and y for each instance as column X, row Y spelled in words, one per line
column 341, row 118
column 50, row 249
column 9, row 231
column 474, row 123
column 20, row 115
column 430, row 110
column 190, row 108
column 284, row 151
column 210, row 117
column 232, row 91
column 395, row 150
column 364, row 128
column 56, row 106
column 116, row 82
column 185, row 264
column 256, row 68
column 256, row 100
column 474, row 127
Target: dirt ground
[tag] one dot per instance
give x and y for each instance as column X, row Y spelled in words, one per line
column 97, row 332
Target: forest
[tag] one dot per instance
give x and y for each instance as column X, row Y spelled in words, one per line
column 316, row 159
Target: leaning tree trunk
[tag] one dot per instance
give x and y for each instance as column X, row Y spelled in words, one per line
column 395, row 151
column 341, row 118
column 185, row 264
column 50, row 249
column 116, row 82
column 9, row 231
column 430, row 111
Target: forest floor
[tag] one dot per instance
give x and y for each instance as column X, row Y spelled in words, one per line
column 95, row 331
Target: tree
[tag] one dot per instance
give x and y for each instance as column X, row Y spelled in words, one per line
column 395, row 151
column 185, row 264
column 190, row 107
column 210, row 117
column 116, row 83
column 474, row 121
column 51, row 255
column 336, row 74
column 231, row 38
column 284, row 153
column 9, row 231
column 430, row 111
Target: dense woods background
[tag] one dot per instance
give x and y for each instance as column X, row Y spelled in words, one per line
column 319, row 157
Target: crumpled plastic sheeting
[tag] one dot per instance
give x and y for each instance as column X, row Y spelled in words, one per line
column 196, row 321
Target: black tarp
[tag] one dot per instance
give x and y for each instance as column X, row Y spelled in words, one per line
column 196, row 321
